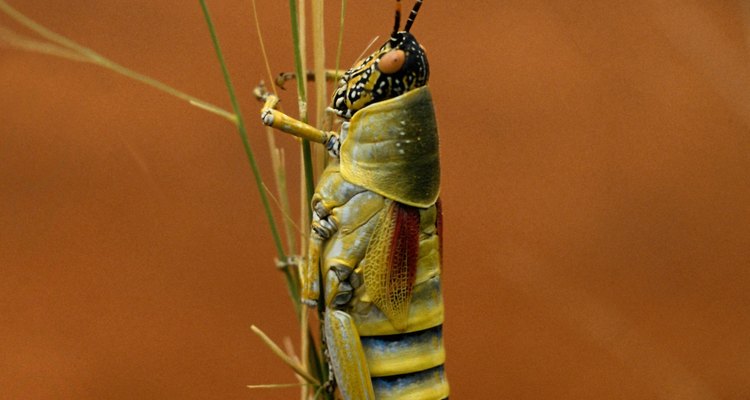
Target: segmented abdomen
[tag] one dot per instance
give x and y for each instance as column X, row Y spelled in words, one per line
column 408, row 364
column 404, row 359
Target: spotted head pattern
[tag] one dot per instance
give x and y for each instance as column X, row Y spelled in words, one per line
column 399, row 66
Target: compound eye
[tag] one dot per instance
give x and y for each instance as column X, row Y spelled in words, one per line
column 392, row 61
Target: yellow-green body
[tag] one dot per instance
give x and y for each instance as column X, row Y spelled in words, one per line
column 389, row 153
column 391, row 148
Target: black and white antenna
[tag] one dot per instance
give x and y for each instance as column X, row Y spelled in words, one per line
column 413, row 15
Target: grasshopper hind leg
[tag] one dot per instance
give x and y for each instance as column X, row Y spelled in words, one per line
column 347, row 356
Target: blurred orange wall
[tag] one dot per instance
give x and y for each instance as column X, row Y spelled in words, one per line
column 596, row 190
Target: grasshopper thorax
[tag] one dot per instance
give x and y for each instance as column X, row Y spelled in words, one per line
column 399, row 66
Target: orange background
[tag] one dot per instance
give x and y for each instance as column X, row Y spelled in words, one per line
column 596, row 189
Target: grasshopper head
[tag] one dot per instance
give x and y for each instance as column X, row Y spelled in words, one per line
column 399, row 66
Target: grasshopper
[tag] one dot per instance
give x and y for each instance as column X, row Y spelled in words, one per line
column 374, row 257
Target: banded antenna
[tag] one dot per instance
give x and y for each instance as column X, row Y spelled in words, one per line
column 397, row 22
column 413, row 15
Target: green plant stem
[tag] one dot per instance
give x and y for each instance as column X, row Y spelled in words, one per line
column 302, row 97
column 85, row 54
column 293, row 291
column 277, row 155
column 22, row 42
column 341, row 36
column 294, row 364
column 316, row 362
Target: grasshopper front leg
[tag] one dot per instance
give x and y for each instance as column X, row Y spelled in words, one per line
column 278, row 120
column 309, row 268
